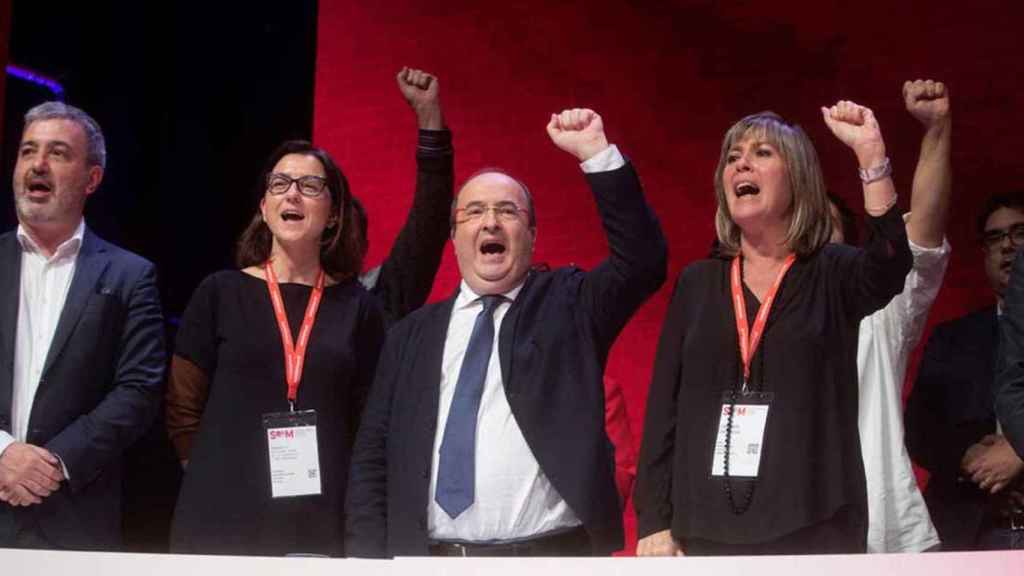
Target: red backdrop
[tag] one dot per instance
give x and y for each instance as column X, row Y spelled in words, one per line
column 669, row 78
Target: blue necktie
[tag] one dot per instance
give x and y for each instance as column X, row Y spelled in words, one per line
column 457, row 463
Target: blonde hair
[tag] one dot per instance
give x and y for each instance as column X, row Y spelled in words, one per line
column 810, row 225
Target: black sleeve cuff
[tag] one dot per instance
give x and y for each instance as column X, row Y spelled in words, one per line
column 434, row 141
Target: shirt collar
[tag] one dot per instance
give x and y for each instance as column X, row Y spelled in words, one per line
column 467, row 296
column 69, row 247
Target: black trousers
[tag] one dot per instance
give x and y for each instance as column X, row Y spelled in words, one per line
column 21, row 531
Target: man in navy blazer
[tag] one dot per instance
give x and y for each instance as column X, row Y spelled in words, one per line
column 976, row 482
column 540, row 477
column 81, row 346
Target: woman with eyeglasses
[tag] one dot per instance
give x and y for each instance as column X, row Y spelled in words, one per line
column 273, row 362
column 750, row 440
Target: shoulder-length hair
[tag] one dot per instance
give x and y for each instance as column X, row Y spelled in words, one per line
column 810, row 225
column 341, row 245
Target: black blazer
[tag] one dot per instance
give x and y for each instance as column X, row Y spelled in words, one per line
column 1010, row 380
column 100, row 388
column 553, row 345
column 951, row 407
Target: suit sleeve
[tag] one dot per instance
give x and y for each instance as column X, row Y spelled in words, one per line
column 407, row 274
column 1010, row 377
column 366, row 507
column 930, row 439
column 638, row 255
column 879, row 271
column 94, row 439
column 652, row 498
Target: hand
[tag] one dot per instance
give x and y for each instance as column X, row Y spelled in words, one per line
column 996, row 466
column 28, row 474
column 420, row 90
column 973, row 452
column 659, row 544
column 855, row 126
column 928, row 101
column 579, row 132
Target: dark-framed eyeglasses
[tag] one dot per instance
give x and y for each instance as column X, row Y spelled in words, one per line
column 991, row 239
column 309, row 186
column 503, row 211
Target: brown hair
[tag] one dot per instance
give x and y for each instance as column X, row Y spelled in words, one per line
column 341, row 246
column 811, row 224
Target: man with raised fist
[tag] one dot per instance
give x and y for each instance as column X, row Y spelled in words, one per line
column 484, row 432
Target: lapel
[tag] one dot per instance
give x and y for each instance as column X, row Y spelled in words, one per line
column 507, row 335
column 92, row 262
column 10, row 291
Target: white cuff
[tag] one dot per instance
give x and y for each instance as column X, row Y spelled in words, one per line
column 5, row 441
column 63, row 468
column 604, row 161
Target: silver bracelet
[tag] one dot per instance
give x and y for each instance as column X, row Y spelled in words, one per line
column 876, row 173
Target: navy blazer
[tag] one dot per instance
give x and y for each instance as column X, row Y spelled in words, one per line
column 1010, row 380
column 552, row 346
column 100, row 389
column 951, row 407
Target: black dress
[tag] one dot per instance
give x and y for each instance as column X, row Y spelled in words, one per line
column 811, row 469
column 229, row 331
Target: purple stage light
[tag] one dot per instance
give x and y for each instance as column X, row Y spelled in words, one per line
column 37, row 79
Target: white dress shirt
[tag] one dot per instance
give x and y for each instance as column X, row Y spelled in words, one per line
column 513, row 499
column 898, row 519
column 44, row 288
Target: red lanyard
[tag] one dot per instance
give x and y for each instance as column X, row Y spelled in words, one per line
column 749, row 343
column 294, row 355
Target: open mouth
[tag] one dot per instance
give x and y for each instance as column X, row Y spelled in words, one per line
column 292, row 216
column 492, row 247
column 746, row 189
column 39, row 186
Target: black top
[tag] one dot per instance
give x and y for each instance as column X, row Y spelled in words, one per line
column 229, row 331
column 811, row 463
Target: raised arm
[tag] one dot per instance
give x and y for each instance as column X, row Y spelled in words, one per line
column 403, row 281
column 856, row 126
column 878, row 272
column 422, row 91
column 638, row 255
column 928, row 102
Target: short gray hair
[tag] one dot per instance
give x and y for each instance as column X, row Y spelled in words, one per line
column 96, row 152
